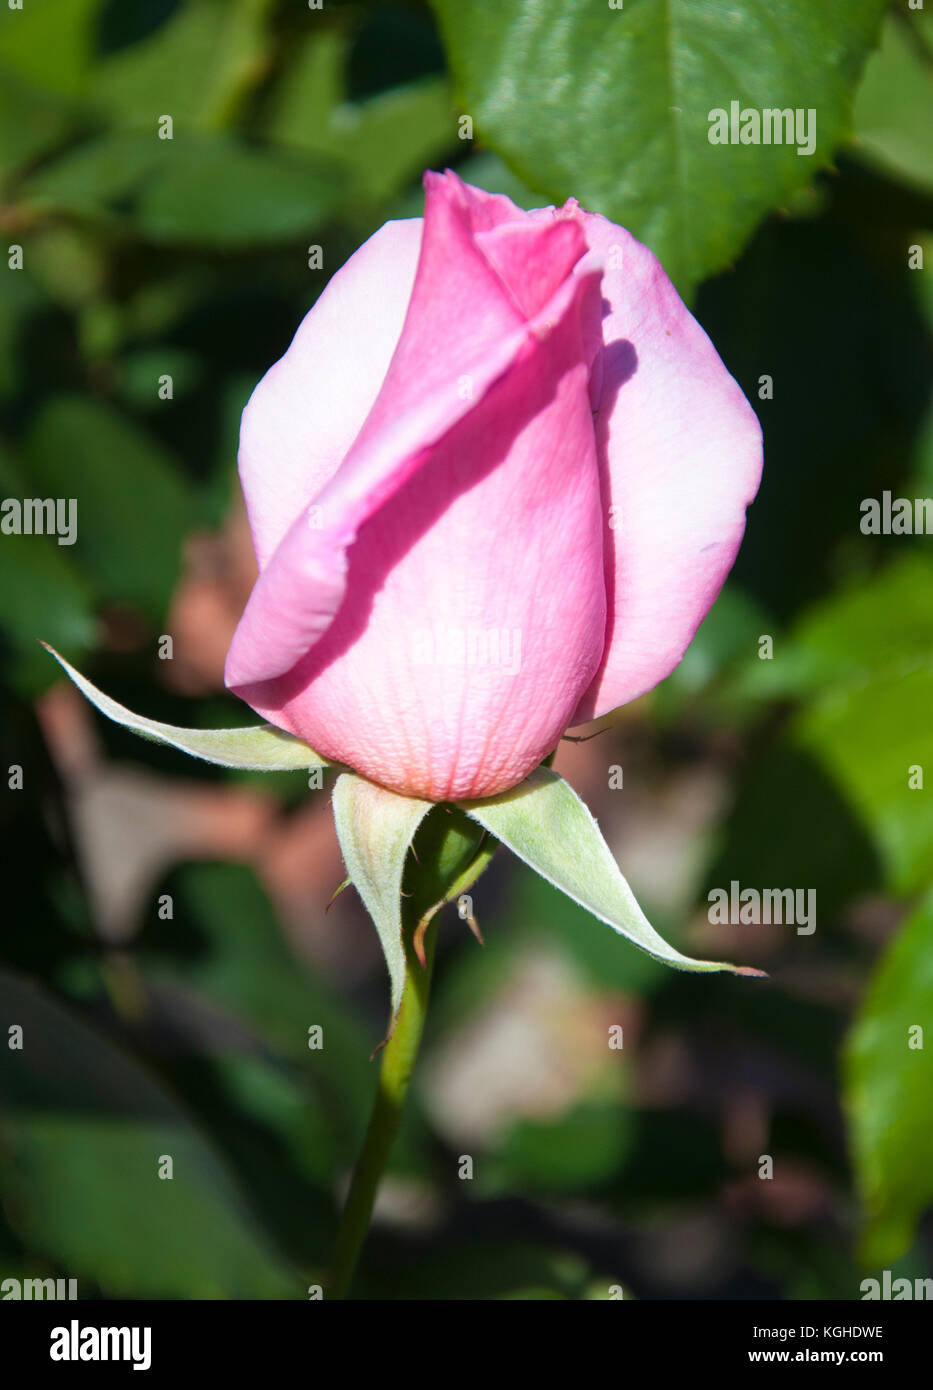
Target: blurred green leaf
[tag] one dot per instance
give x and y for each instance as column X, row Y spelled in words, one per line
column 274, row 1132
column 207, row 190
column 570, row 1154
column 20, row 298
column 141, row 371
column 84, row 1130
column 31, row 121
column 132, row 505
column 46, row 593
column 864, row 657
column 872, row 354
column 51, row 43
column 879, row 626
column 69, row 265
column 870, row 738
column 287, row 1113
column 167, row 73
column 95, row 174
column 611, row 105
column 50, row 597
column 195, row 67
column 888, row 1083
column 791, row 826
column 384, row 140
column 311, row 89
column 895, row 102
column 227, row 945
column 217, row 193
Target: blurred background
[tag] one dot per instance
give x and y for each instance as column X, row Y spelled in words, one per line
column 166, row 944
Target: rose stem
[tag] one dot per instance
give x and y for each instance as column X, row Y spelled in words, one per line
column 451, row 852
column 398, row 1062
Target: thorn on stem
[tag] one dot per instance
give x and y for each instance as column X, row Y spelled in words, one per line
column 418, row 938
column 474, row 928
column 336, row 894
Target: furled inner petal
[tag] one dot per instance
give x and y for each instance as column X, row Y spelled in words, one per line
column 680, row 456
column 464, row 328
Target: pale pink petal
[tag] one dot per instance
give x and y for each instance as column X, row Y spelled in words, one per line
column 474, row 613
column 464, row 328
column 309, row 407
column 465, row 518
column 680, row 454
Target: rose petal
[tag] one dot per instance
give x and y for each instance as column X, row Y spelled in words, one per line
column 680, row 452
column 462, row 331
column 476, row 512
column 304, row 415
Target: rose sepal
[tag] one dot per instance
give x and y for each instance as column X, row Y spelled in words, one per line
column 255, row 748
column 545, row 823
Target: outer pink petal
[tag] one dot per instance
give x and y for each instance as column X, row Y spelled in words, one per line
column 464, row 328
column 680, row 452
column 451, row 519
column 497, row 543
column 309, row 407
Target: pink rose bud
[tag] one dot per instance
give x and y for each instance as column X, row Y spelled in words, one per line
column 494, row 485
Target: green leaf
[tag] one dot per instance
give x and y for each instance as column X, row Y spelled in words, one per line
column 141, row 368
column 863, row 660
column 878, row 627
column 51, row 44
column 70, row 269
column 888, row 1086
column 83, row 1129
column 260, row 748
column 133, row 507
column 44, row 592
column 789, row 821
column 869, row 738
column 215, row 192
column 384, row 140
column 21, row 299
column 47, row 595
column 228, row 945
column 892, row 110
column 394, row 136
column 612, row 105
column 571, row 1153
column 196, row 66
column 31, row 121
column 375, row 828
column 203, row 189
column 545, row 823
column 90, row 176
column 284, row 1111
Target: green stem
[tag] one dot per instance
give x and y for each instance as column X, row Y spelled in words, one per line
column 398, row 1061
